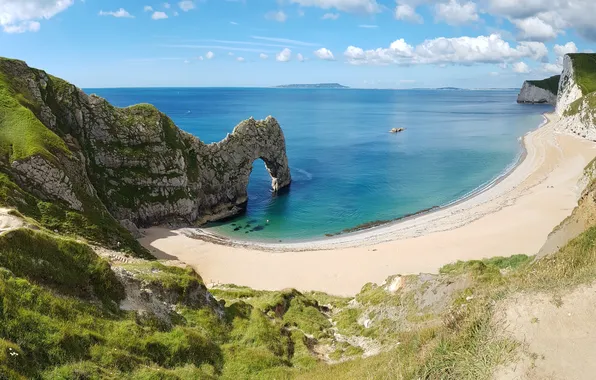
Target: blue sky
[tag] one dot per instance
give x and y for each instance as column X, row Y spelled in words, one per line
column 360, row 43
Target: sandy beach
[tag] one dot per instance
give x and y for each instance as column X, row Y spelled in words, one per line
column 513, row 216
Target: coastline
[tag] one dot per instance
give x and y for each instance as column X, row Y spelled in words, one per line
column 265, row 245
column 513, row 215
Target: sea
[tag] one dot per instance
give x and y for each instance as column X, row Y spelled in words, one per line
column 347, row 169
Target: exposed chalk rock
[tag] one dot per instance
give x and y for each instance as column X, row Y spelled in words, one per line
column 535, row 95
column 569, row 91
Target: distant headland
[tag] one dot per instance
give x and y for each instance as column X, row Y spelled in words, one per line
column 315, row 85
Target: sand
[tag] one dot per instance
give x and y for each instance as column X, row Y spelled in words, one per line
column 513, row 216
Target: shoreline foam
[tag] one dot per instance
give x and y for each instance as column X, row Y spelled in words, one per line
column 513, row 216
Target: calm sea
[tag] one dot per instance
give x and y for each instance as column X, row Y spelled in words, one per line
column 347, row 169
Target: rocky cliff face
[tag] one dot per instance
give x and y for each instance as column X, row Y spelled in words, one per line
column 81, row 152
column 530, row 93
column 569, row 91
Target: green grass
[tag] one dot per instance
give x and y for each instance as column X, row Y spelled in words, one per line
column 94, row 223
column 549, row 84
column 65, row 265
column 584, row 66
column 22, row 135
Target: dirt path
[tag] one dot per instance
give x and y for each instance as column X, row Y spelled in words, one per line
column 558, row 335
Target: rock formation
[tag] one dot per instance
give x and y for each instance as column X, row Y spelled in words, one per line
column 531, row 92
column 569, row 90
column 80, row 152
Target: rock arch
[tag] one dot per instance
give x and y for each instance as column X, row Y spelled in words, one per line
column 232, row 160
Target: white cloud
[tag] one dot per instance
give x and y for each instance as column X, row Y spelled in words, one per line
column 120, row 13
column 324, row 54
column 368, row 26
column 330, row 16
column 167, row 5
column 533, row 28
column 25, row 26
column 159, row 15
column 460, row 50
column 520, row 68
column 560, row 51
column 186, row 5
column 284, row 56
column 148, row 8
column 278, row 16
column 186, row 61
column 568, row 48
column 300, row 13
column 531, row 16
column 406, row 12
column 233, row 23
column 200, row 58
column 240, row 59
column 263, row 56
column 300, row 57
column 356, row 6
column 552, row 68
column 284, row 41
column 454, row 13
column 18, row 16
column 209, row 55
column 175, row 13
column 230, row 54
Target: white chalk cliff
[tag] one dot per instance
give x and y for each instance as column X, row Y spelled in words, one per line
column 569, row 91
column 534, row 94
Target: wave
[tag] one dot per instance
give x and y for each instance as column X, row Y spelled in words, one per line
column 306, row 174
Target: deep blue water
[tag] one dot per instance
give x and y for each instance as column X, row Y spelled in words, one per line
column 346, row 168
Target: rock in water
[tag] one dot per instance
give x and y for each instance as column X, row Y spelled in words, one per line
column 396, row 130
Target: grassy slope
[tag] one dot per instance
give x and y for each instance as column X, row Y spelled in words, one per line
column 584, row 65
column 23, row 135
column 52, row 317
column 550, row 84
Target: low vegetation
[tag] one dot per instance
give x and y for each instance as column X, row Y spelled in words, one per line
column 58, row 320
column 585, row 71
column 549, row 84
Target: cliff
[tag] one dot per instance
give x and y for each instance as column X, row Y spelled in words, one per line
column 75, row 160
column 544, row 91
column 576, row 101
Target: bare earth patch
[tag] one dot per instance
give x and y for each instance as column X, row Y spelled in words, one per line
column 557, row 332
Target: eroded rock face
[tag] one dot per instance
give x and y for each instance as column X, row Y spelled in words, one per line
column 535, row 95
column 141, row 166
column 569, row 91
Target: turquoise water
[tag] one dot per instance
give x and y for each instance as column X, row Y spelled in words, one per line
column 346, row 168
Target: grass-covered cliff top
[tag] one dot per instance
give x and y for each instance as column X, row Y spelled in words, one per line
column 21, row 133
column 550, row 84
column 584, row 65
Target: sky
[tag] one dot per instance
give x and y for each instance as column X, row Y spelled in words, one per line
column 359, row 43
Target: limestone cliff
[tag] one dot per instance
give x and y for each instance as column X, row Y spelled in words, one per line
column 81, row 154
column 537, row 92
column 569, row 90
column 576, row 102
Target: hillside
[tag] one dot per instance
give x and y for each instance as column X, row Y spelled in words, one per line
column 549, row 84
column 540, row 91
column 79, row 165
column 80, row 299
